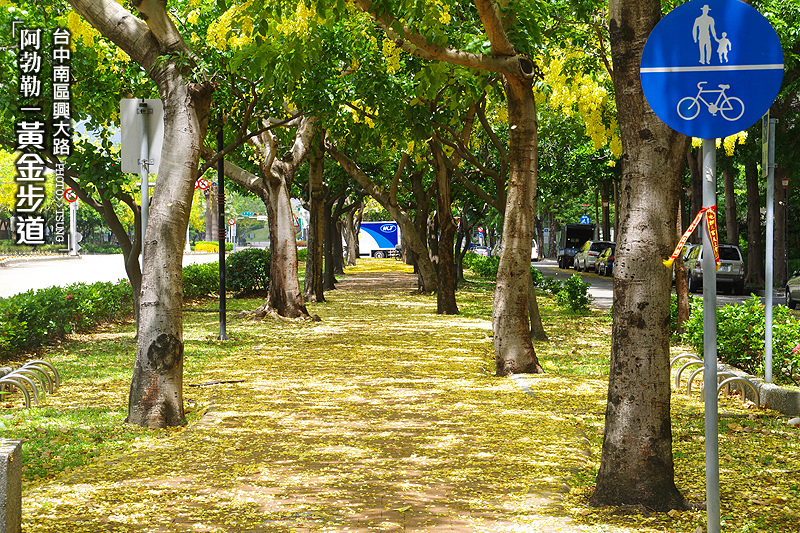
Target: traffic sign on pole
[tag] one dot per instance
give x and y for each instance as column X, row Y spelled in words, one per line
column 711, row 68
column 585, row 219
column 70, row 195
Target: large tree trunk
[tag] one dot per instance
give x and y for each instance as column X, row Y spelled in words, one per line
column 313, row 288
column 285, row 297
column 755, row 247
column 731, row 224
column 446, row 293
column 636, row 465
column 156, row 393
column 513, row 350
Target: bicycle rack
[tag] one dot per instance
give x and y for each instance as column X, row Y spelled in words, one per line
column 20, row 379
column 728, row 378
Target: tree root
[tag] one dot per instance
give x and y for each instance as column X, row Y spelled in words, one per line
column 261, row 313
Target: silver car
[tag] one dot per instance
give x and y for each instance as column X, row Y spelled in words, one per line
column 586, row 257
column 729, row 275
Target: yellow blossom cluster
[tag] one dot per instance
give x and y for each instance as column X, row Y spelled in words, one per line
column 298, row 26
column 221, row 32
column 391, row 53
column 362, row 117
column 81, row 30
column 580, row 94
column 729, row 142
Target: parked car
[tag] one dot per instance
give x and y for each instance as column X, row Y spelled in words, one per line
column 793, row 291
column 535, row 251
column 605, row 261
column 586, row 257
column 730, row 274
column 480, row 250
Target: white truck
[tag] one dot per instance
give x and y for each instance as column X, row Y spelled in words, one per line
column 378, row 239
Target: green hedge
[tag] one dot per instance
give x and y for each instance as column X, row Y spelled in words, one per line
column 740, row 337
column 200, row 280
column 247, row 271
column 30, row 319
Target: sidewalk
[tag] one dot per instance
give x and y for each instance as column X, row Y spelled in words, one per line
column 330, row 434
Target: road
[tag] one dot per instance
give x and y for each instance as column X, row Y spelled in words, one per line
column 41, row 273
column 602, row 292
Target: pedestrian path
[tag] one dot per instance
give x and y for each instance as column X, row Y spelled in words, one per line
column 381, row 417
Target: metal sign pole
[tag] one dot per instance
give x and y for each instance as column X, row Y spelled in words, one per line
column 73, row 228
column 144, row 162
column 223, row 336
column 770, row 267
column 710, row 343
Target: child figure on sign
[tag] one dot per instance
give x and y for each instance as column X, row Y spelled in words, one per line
column 724, row 46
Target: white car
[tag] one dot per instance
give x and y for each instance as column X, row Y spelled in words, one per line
column 535, row 251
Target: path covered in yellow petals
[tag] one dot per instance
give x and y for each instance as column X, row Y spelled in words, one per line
column 378, row 418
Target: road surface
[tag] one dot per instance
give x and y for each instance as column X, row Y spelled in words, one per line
column 602, row 289
column 41, row 273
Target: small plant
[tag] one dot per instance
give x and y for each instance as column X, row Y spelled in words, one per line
column 200, row 280
column 575, row 294
column 247, row 271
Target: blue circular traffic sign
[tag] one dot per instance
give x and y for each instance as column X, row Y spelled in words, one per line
column 711, row 68
column 585, row 219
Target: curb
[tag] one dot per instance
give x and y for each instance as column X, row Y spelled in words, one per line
column 13, row 260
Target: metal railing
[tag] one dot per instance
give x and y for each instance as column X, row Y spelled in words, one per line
column 26, row 378
column 725, row 378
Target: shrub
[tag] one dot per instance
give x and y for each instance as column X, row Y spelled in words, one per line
column 547, row 284
column 740, row 337
column 33, row 318
column 211, row 246
column 574, row 294
column 201, row 280
column 302, row 255
column 247, row 271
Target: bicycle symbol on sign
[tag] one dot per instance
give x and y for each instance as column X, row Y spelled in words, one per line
column 730, row 107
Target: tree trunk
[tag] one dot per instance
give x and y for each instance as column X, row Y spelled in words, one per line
column 446, row 292
column 779, row 249
column 695, row 161
column 285, row 297
column 755, row 247
column 156, row 393
column 731, row 224
column 636, row 465
column 605, row 193
column 329, row 272
column 313, row 288
column 681, row 279
column 537, row 329
column 513, row 350
column 352, row 227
